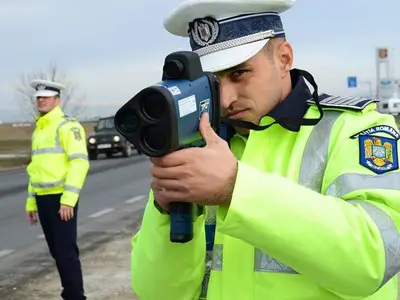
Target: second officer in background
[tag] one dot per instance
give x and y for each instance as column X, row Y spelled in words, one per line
column 57, row 172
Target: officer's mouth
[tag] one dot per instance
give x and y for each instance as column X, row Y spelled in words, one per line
column 237, row 114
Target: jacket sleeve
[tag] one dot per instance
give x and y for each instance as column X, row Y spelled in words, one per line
column 30, row 200
column 345, row 239
column 30, row 204
column 162, row 269
column 73, row 141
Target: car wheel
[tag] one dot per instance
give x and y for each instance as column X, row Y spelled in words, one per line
column 92, row 156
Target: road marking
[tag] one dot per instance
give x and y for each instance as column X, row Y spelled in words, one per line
column 101, row 213
column 6, row 252
column 40, row 236
column 136, row 199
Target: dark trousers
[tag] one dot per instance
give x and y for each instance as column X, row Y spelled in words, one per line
column 61, row 239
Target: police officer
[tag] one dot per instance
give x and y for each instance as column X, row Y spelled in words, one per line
column 307, row 191
column 57, row 172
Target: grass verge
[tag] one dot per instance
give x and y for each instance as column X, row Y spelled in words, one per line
column 15, row 146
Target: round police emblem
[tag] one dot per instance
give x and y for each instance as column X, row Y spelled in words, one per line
column 205, row 31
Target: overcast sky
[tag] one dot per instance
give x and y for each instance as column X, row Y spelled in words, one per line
column 113, row 49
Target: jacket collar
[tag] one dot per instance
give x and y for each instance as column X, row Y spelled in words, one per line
column 295, row 104
column 55, row 113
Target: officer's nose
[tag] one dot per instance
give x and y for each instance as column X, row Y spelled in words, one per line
column 228, row 93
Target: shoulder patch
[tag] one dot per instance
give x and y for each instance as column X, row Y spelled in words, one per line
column 354, row 103
column 77, row 133
column 379, row 148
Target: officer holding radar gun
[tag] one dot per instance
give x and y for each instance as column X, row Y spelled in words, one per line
column 262, row 187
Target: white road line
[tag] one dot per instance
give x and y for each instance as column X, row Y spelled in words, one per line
column 6, row 252
column 101, row 213
column 40, row 236
column 136, row 199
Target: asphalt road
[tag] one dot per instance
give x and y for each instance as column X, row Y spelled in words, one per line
column 113, row 198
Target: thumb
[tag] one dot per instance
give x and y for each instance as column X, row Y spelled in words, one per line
column 207, row 132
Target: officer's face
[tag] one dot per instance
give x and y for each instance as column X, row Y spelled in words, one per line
column 46, row 104
column 250, row 90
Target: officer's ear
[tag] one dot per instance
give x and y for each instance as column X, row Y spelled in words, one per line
column 57, row 98
column 284, row 56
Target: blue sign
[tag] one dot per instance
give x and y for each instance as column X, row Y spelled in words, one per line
column 352, row 81
column 386, row 81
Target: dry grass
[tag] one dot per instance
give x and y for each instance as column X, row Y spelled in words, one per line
column 7, row 164
column 14, row 146
column 7, row 132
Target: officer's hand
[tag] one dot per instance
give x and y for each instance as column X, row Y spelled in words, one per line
column 66, row 212
column 200, row 175
column 32, row 217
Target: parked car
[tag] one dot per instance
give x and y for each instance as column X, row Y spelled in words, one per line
column 106, row 139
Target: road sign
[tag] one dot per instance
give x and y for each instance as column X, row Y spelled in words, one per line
column 352, row 81
column 386, row 81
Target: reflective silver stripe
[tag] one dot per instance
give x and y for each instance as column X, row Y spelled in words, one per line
column 31, row 195
column 217, row 257
column 265, row 263
column 211, row 214
column 68, row 188
column 315, row 156
column 72, row 189
column 350, row 182
column 47, row 185
column 58, row 147
column 47, row 150
column 78, row 155
column 390, row 237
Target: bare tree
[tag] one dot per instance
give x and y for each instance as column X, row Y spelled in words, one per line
column 71, row 101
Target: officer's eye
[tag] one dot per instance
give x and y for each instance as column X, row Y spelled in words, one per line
column 237, row 74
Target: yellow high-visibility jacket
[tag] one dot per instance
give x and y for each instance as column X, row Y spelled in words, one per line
column 59, row 162
column 315, row 215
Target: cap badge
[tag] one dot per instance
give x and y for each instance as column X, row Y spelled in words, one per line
column 41, row 87
column 205, row 31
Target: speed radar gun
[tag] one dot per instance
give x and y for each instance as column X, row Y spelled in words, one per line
column 164, row 117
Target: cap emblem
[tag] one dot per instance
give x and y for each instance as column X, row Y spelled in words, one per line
column 41, row 87
column 204, row 31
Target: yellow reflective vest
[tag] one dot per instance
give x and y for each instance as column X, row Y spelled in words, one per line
column 315, row 215
column 59, row 162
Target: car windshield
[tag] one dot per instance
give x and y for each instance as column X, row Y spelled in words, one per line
column 105, row 124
